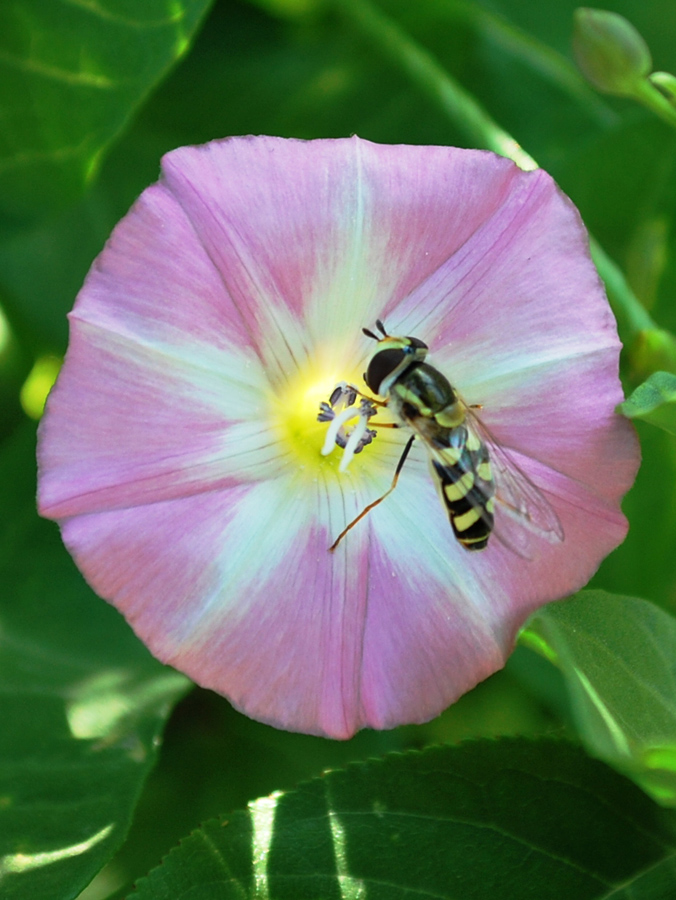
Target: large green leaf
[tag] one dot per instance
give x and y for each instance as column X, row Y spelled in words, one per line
column 501, row 819
column 618, row 656
column 71, row 74
column 656, row 883
column 82, row 706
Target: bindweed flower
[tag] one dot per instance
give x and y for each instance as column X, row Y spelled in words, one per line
column 218, row 338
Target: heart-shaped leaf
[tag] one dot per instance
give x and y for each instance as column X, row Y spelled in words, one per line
column 72, row 74
column 501, row 819
column 618, row 657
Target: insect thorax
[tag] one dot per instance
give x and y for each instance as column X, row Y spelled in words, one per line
column 422, row 392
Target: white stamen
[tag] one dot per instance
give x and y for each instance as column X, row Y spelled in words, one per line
column 353, row 441
column 352, row 412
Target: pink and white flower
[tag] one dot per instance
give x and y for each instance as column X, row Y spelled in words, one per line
column 181, row 452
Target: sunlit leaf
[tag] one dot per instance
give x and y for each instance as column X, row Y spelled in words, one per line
column 654, row 401
column 501, row 819
column 618, row 656
column 71, row 74
column 82, row 706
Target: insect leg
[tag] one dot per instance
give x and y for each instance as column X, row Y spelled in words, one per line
column 367, row 509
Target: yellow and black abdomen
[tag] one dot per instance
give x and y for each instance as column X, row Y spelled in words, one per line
column 426, row 401
column 461, row 463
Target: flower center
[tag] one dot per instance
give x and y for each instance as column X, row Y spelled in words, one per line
column 349, row 422
column 320, row 412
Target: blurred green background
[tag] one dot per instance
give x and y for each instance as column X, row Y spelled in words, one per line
column 91, row 95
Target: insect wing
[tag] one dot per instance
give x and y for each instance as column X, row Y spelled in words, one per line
column 529, row 515
column 458, row 462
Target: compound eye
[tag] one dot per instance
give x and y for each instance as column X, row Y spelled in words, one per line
column 382, row 365
column 417, row 344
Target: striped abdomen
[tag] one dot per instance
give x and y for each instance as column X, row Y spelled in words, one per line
column 462, row 464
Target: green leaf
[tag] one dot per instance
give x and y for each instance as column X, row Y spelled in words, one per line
column 42, row 268
column 618, row 656
column 71, row 74
column 666, row 83
column 289, row 9
column 655, row 884
column 82, row 705
column 654, row 401
column 487, row 819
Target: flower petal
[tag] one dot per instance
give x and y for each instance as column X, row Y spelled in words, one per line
column 331, row 233
column 156, row 376
column 520, row 291
column 518, row 321
column 441, row 618
column 308, row 640
column 238, row 589
column 130, row 424
column 562, row 414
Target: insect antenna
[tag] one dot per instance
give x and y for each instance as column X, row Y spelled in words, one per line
column 367, row 509
column 381, row 329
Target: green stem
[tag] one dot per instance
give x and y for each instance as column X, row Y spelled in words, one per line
column 632, row 317
column 538, row 56
column 480, row 129
column 528, row 637
column 650, row 96
column 460, row 107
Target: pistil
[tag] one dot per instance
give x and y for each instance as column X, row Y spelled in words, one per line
column 340, row 410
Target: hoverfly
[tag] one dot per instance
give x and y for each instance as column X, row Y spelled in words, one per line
column 470, row 469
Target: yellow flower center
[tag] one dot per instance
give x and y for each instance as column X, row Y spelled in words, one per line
column 296, row 418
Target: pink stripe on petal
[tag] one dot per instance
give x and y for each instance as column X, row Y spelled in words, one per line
column 128, row 424
column 238, row 589
column 335, row 231
column 154, row 281
column 440, row 619
column 160, row 559
column 294, row 660
column 593, row 526
column 430, row 633
column 408, row 226
column 562, row 415
column 521, row 291
column 425, row 204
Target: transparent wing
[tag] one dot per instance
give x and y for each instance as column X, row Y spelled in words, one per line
column 523, row 517
column 529, row 517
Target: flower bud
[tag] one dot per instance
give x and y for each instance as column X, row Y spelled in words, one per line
column 665, row 83
column 610, row 52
